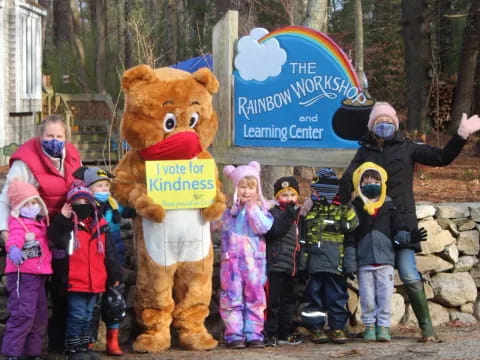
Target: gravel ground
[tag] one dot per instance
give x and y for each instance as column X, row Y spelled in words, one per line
column 458, row 343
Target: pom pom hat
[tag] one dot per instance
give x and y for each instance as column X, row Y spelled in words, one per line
column 239, row 172
column 19, row 192
column 382, row 109
column 79, row 190
column 284, row 184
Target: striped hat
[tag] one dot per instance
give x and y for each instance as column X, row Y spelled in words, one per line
column 325, row 182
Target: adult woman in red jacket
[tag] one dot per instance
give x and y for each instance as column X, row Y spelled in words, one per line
column 46, row 161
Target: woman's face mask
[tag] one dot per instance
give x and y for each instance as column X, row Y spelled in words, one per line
column 53, row 147
column 384, row 130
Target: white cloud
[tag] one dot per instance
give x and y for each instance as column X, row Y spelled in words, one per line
column 256, row 61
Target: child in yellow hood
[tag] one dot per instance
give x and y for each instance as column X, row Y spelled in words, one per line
column 372, row 255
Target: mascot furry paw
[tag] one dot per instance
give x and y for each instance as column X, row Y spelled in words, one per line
column 169, row 116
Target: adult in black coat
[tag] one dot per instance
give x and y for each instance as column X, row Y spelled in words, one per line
column 386, row 146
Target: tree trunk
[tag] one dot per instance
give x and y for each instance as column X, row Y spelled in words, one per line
column 247, row 15
column 359, row 49
column 78, row 44
column 172, row 34
column 317, row 15
column 100, row 70
column 128, row 34
column 62, row 22
column 417, row 56
column 464, row 92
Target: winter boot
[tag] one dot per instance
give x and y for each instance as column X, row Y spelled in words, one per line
column 86, row 349
column 370, row 333
column 418, row 299
column 73, row 349
column 383, row 334
column 112, row 343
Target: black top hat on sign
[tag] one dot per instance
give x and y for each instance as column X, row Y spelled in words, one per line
column 351, row 119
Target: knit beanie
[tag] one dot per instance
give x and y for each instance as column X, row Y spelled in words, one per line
column 91, row 174
column 238, row 173
column 284, row 184
column 325, row 182
column 19, row 192
column 382, row 109
column 79, row 190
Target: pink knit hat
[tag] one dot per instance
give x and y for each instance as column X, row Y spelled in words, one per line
column 239, row 172
column 382, row 109
column 19, row 192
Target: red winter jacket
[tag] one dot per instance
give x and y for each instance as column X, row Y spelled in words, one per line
column 90, row 264
column 52, row 186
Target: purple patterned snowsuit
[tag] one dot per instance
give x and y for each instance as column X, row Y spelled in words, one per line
column 243, row 273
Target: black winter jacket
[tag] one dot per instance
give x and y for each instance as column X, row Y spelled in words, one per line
column 373, row 238
column 282, row 241
column 398, row 157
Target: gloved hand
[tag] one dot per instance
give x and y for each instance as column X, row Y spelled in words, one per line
column 468, row 126
column 291, row 212
column 418, row 235
column 350, row 275
column 15, row 255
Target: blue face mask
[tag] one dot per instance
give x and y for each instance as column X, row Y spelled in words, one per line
column 102, row 196
column 371, row 191
column 53, row 147
column 384, row 130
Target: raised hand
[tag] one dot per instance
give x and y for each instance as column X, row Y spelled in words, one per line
column 468, row 126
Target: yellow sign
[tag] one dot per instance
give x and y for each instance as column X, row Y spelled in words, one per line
column 181, row 184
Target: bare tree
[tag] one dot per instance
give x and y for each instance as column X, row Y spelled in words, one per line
column 247, row 14
column 417, row 61
column 317, row 15
column 359, row 49
column 62, row 22
column 464, row 92
column 100, row 18
column 127, row 5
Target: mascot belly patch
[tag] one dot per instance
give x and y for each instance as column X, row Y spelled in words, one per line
column 182, row 236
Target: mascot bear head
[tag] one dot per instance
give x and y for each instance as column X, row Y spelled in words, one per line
column 163, row 103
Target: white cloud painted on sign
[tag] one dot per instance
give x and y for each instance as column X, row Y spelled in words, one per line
column 256, row 61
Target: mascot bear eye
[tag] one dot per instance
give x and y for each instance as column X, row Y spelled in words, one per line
column 169, row 122
column 194, row 120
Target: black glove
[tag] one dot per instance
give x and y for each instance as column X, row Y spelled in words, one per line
column 291, row 212
column 350, row 275
column 418, row 235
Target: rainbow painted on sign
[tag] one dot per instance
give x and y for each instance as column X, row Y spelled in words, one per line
column 322, row 40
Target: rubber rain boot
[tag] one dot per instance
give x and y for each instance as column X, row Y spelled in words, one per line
column 113, row 348
column 370, row 334
column 418, row 299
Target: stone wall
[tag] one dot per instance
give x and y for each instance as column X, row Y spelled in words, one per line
column 448, row 262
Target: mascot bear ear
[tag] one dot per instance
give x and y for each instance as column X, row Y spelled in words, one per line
column 205, row 77
column 137, row 74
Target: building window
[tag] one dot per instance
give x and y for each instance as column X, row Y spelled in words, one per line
column 31, row 47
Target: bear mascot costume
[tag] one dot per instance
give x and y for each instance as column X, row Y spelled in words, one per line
column 169, row 116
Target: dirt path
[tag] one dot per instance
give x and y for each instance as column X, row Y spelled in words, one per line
column 459, row 343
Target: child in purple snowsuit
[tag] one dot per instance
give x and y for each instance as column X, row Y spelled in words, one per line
column 27, row 268
column 243, row 255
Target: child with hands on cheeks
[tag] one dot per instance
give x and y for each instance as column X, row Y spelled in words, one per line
column 243, row 259
column 27, row 267
column 92, row 264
